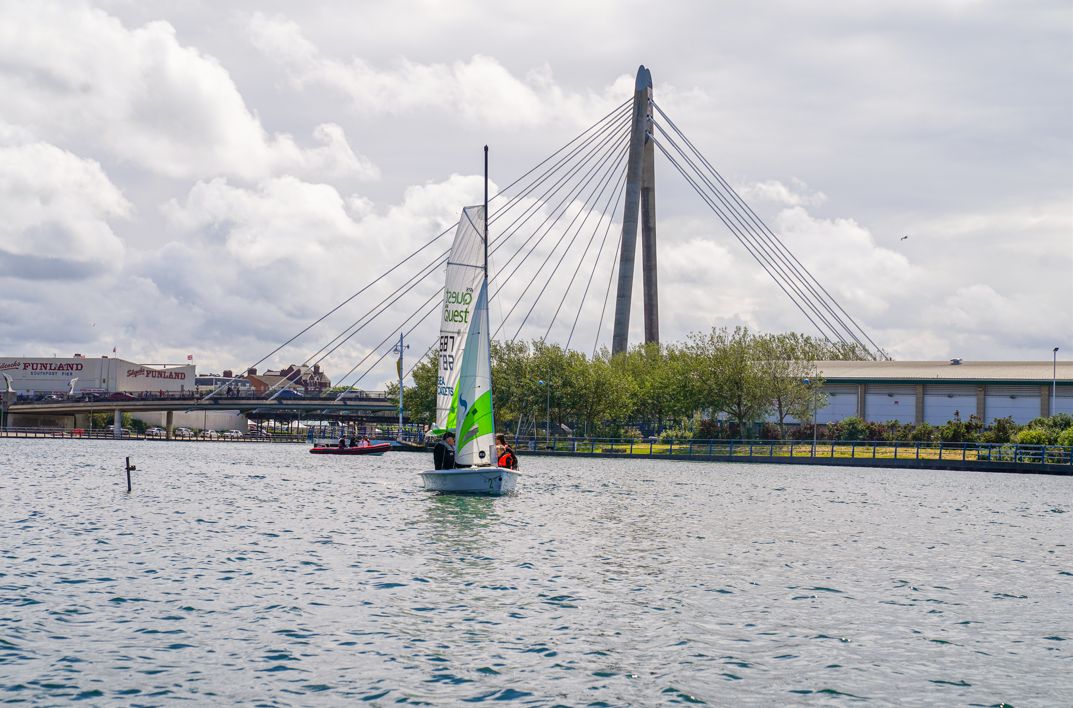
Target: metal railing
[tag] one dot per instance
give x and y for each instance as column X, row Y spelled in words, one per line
column 126, row 434
column 824, row 449
column 124, row 396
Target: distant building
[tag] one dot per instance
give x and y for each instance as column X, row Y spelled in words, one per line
column 207, row 383
column 934, row 391
column 86, row 375
column 303, row 379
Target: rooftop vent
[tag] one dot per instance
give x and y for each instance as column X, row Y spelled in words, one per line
column 955, row 362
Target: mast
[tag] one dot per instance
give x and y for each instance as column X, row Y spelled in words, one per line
column 400, row 366
column 486, row 324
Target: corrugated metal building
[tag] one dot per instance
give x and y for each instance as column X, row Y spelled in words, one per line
column 934, row 391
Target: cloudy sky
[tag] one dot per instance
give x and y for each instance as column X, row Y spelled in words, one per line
column 207, row 177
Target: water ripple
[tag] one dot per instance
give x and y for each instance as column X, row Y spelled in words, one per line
column 254, row 574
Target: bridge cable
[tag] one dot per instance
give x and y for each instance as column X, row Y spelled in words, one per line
column 596, row 261
column 565, row 204
column 707, row 200
column 759, row 250
column 763, row 226
column 611, row 115
column 772, row 256
column 596, row 230
column 498, row 243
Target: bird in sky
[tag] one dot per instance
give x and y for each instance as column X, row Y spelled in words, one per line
column 903, row 238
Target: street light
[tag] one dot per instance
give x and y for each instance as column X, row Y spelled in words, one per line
column 1054, row 380
column 809, row 384
column 547, row 413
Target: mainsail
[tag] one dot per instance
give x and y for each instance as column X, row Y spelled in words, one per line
column 464, row 385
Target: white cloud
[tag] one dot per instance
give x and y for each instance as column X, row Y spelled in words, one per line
column 77, row 75
column 479, row 89
column 57, row 211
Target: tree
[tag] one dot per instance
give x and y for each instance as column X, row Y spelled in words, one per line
column 603, row 391
column 420, row 399
column 726, row 378
column 785, row 362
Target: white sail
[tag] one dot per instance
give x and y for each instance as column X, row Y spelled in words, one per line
column 475, row 429
column 464, row 393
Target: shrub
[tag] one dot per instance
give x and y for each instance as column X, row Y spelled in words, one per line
column 925, row 432
column 707, row 429
column 770, row 431
column 1066, row 437
column 851, row 428
column 671, row 434
column 1033, row 436
column 1002, row 430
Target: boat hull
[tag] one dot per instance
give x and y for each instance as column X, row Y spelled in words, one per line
column 493, row 481
column 378, row 449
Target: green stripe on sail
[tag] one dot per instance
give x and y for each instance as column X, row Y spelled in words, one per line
column 478, row 420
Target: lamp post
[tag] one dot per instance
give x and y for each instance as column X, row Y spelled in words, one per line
column 1054, row 380
column 808, row 383
column 547, row 412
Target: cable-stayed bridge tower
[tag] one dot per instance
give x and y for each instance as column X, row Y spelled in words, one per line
column 640, row 197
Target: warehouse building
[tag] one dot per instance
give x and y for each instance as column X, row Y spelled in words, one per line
column 935, row 391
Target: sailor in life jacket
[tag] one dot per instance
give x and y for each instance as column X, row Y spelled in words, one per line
column 507, row 459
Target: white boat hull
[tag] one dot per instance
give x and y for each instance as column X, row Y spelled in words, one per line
column 493, row 481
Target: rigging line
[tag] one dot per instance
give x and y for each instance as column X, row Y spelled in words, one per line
column 534, row 207
column 335, row 309
column 756, row 218
column 596, row 261
column 593, row 197
column 743, row 231
column 775, row 257
column 554, row 217
column 744, row 243
column 596, row 230
column 607, row 295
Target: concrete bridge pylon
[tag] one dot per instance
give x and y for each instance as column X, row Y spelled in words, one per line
column 639, row 206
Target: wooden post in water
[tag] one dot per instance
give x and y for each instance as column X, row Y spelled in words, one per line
column 130, row 468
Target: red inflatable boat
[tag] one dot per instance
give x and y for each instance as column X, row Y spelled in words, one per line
column 374, row 449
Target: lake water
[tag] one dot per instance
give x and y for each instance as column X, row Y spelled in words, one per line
column 262, row 574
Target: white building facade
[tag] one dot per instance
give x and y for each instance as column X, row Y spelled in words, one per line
column 937, row 391
column 41, row 375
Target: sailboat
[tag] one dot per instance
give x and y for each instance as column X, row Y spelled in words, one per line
column 464, row 385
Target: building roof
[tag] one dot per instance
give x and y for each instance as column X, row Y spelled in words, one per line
column 1027, row 372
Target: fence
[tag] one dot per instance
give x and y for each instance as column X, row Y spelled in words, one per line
column 105, row 434
column 824, row 449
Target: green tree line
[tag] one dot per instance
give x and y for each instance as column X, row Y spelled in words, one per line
column 736, row 374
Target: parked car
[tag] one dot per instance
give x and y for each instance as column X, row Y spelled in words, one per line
column 289, row 393
column 123, row 432
column 231, row 434
column 155, row 432
column 184, row 432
